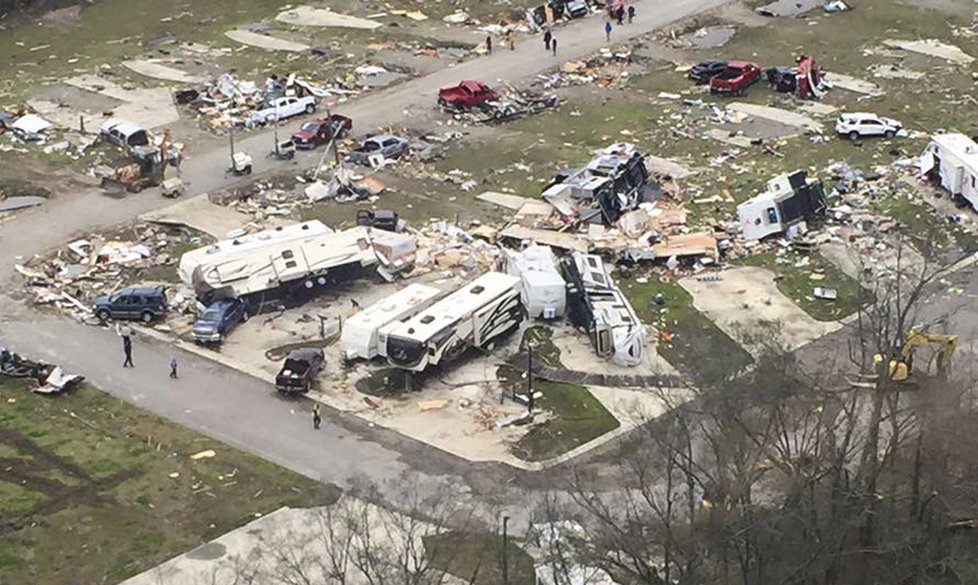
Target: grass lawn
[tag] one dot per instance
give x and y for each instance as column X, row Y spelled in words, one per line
column 696, row 347
column 477, row 558
column 797, row 283
column 100, row 490
column 930, row 233
column 578, row 417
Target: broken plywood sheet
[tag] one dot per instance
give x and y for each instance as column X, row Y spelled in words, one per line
column 932, row 48
column 666, row 167
column 309, row 16
column 550, row 238
column 266, row 42
column 747, row 305
column 778, row 115
column 514, row 202
column 853, row 84
column 700, row 244
column 156, row 70
column 200, row 214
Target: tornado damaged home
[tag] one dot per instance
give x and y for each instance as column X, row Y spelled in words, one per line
column 534, row 234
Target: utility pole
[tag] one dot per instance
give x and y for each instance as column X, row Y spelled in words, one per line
column 505, row 558
column 529, row 377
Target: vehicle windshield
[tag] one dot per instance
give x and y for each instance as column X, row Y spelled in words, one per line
column 211, row 315
column 310, row 127
column 370, row 146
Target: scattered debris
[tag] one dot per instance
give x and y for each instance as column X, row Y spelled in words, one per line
column 932, row 48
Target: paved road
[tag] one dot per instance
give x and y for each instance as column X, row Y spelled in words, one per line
column 230, row 406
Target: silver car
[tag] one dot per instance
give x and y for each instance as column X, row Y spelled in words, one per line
column 385, row 145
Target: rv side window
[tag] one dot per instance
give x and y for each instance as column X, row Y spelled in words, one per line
column 288, row 254
column 772, row 215
column 290, row 264
column 427, row 319
column 477, row 289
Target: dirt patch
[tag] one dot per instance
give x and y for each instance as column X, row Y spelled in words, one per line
column 62, row 17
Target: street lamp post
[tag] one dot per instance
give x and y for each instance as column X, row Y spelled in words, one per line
column 505, row 558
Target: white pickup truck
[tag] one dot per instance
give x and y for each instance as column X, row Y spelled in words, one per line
column 284, row 107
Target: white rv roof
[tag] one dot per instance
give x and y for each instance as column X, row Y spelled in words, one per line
column 392, row 308
column 593, row 271
column 613, row 308
column 457, row 305
column 960, row 145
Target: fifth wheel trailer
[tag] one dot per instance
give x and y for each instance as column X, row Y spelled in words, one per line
column 473, row 316
column 951, row 160
column 544, row 291
column 365, row 333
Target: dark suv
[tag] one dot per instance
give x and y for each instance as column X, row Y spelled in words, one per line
column 139, row 302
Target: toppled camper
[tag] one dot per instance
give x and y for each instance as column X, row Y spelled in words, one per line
column 789, row 200
column 951, row 161
column 596, row 305
column 544, row 291
column 614, row 181
column 287, row 267
column 475, row 315
column 365, row 333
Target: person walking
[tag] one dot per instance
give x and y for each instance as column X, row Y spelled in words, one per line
column 489, row 44
column 553, row 45
column 631, row 14
column 547, row 37
column 607, row 30
column 620, row 15
column 173, row 368
column 127, row 349
column 316, row 419
column 511, row 39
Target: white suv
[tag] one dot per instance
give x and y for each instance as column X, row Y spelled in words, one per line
column 857, row 125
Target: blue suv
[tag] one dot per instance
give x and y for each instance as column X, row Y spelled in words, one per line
column 145, row 303
column 219, row 319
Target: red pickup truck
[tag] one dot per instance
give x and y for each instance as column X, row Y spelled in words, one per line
column 468, row 94
column 736, row 78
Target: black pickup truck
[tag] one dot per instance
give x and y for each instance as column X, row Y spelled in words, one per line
column 299, row 370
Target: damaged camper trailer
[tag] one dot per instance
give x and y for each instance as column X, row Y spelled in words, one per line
column 596, row 305
column 789, row 200
column 544, row 291
column 951, row 161
column 365, row 333
column 613, row 182
column 289, row 269
column 473, row 316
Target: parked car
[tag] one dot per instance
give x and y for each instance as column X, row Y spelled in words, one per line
column 704, row 71
column 382, row 219
column 218, row 319
column 857, row 125
column 300, row 370
column 284, row 107
column 126, row 135
column 383, row 144
column 319, row 131
column 735, row 78
column 782, row 79
column 576, row 8
column 468, row 94
column 145, row 303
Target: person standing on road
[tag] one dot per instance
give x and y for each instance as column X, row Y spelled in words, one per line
column 316, row 419
column 127, row 349
column 553, row 45
column 173, row 368
column 547, row 37
column 620, row 15
column 511, row 39
column 631, row 14
column 607, row 30
column 489, row 44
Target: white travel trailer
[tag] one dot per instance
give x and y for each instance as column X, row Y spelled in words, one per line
column 789, row 199
column 544, row 290
column 282, row 269
column 225, row 250
column 365, row 333
column 598, row 306
column 473, row 316
column 951, row 160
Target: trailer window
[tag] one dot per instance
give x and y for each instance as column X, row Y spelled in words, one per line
column 427, row 319
column 477, row 289
column 287, row 254
column 772, row 215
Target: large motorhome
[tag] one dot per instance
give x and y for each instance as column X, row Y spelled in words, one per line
column 789, row 199
column 611, row 183
column 286, row 269
column 951, row 160
column 473, row 316
column 365, row 333
column 597, row 306
column 544, row 293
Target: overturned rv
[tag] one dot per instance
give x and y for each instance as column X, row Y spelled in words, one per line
column 293, row 263
column 613, row 182
column 544, row 293
column 951, row 161
column 789, row 200
column 365, row 333
column 597, row 305
column 476, row 315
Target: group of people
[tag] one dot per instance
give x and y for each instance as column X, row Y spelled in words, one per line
column 550, row 41
column 126, row 334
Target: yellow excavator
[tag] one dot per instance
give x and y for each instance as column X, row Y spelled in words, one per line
column 900, row 369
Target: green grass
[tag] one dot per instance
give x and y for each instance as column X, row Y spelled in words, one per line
column 476, row 558
column 125, row 511
column 931, row 234
column 696, row 346
column 796, row 283
column 544, row 349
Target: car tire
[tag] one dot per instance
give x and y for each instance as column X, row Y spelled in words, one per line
column 102, row 315
column 889, row 134
column 245, row 316
column 247, row 170
column 136, row 187
column 854, row 136
column 146, row 317
column 310, row 108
